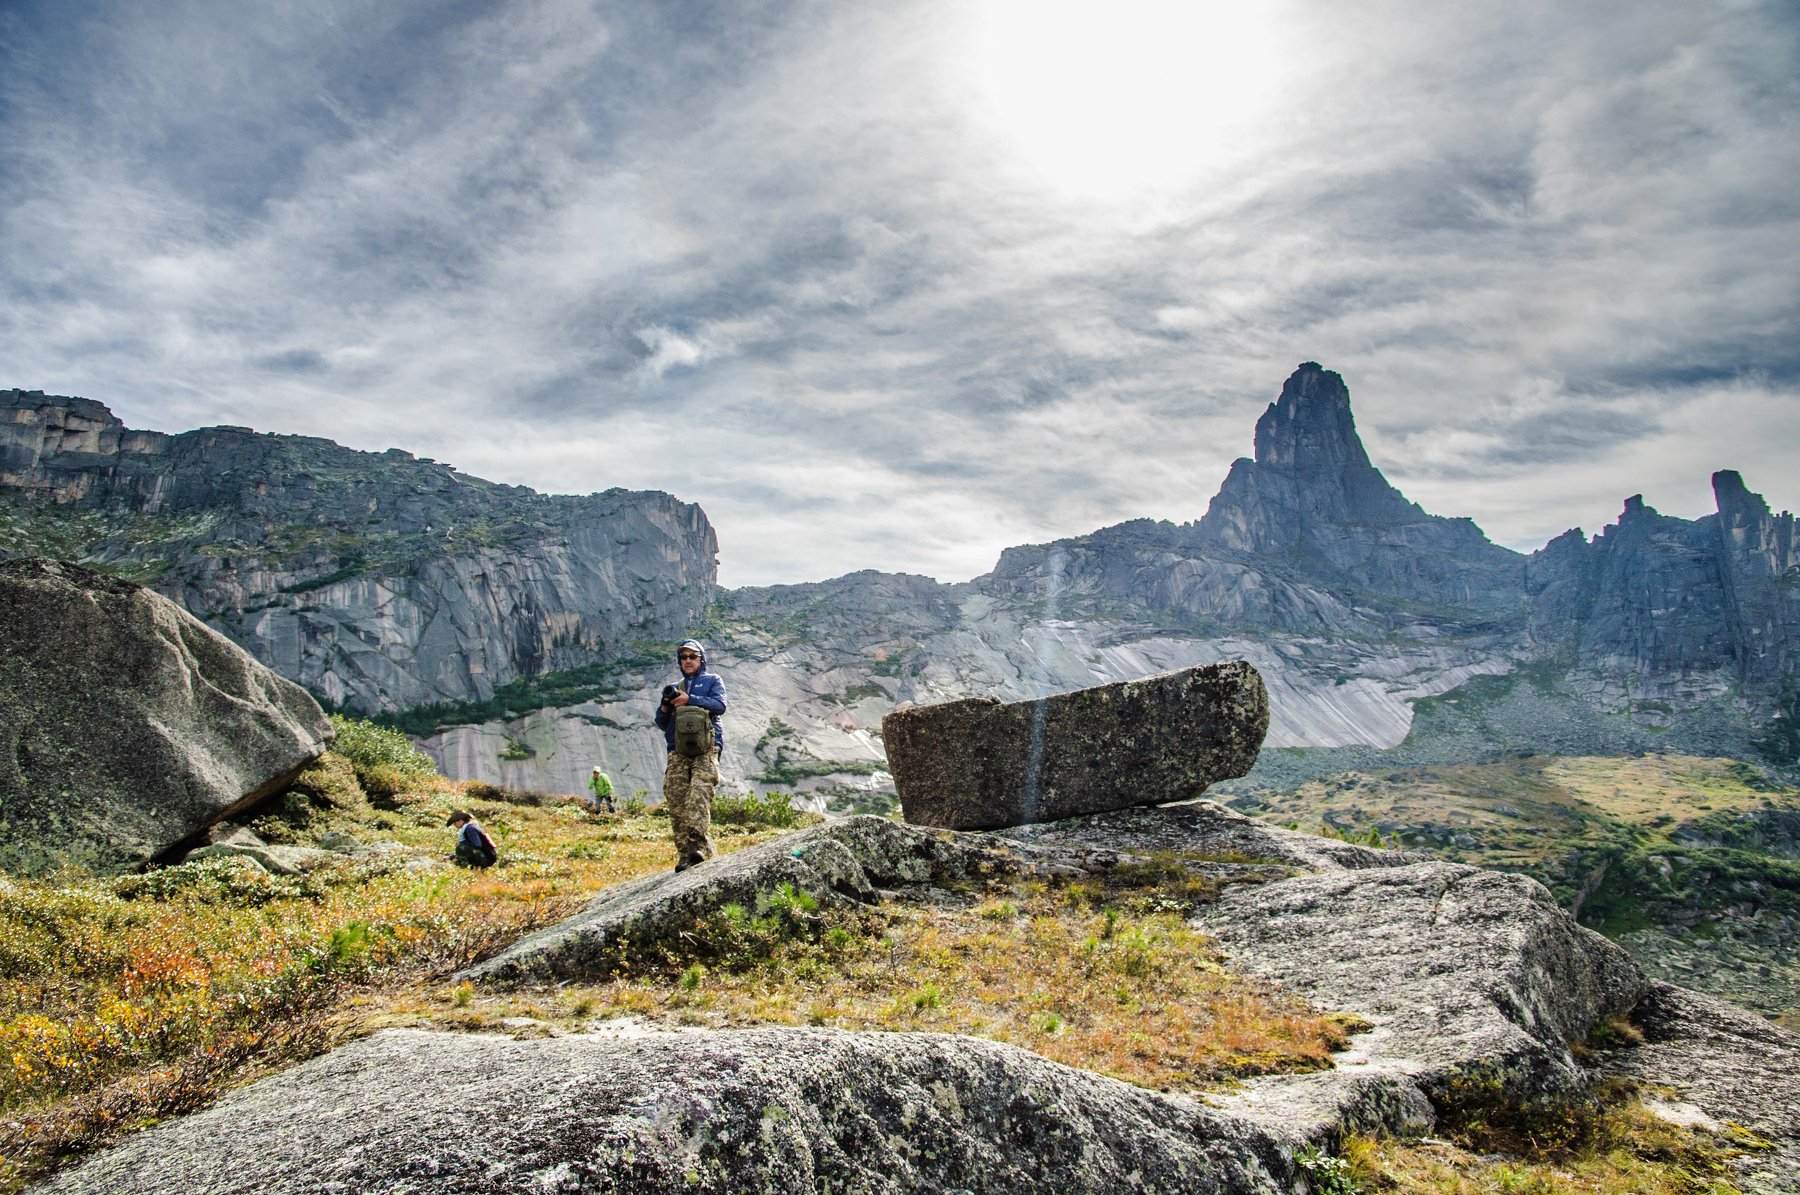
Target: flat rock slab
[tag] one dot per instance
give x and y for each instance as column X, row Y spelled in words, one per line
column 781, row 1111
column 979, row 764
column 1733, row 1066
column 846, row 859
column 1204, row 829
column 126, row 724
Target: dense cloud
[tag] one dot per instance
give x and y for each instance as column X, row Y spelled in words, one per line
column 791, row 260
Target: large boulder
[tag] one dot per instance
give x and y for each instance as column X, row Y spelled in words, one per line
column 127, row 725
column 978, row 764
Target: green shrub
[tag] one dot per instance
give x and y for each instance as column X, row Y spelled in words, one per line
column 1327, row 1175
column 775, row 810
column 218, row 880
column 385, row 782
column 368, row 747
column 537, row 798
column 925, row 997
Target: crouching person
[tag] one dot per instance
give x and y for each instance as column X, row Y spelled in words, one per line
column 473, row 846
column 689, row 719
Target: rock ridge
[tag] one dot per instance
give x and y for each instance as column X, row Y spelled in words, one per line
column 378, row 580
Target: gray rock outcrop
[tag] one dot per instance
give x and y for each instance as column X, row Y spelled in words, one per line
column 980, row 764
column 775, row 1111
column 1659, row 613
column 1729, row 1066
column 275, row 858
column 1307, row 537
column 1462, row 972
column 126, row 725
column 378, row 580
column 1460, row 968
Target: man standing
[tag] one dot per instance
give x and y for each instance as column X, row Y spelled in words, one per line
column 694, row 740
column 600, row 784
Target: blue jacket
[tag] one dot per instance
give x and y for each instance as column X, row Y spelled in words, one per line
column 705, row 690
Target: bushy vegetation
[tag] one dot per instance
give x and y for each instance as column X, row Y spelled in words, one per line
column 773, row 810
column 788, row 770
column 384, row 759
column 1604, row 1142
column 128, row 1000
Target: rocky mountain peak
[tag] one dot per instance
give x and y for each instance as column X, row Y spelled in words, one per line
column 1309, row 428
column 1310, row 471
column 1737, row 503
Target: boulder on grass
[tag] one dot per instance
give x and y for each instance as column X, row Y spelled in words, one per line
column 978, row 764
column 127, row 725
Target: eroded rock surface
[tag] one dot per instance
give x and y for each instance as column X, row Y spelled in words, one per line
column 1457, row 967
column 378, row 579
column 1732, row 1065
column 1463, row 973
column 126, row 725
column 762, row 1110
column 978, row 764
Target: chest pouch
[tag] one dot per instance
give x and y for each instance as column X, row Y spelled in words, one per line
column 693, row 730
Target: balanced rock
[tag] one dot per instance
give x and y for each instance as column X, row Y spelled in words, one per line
column 126, row 724
column 978, row 764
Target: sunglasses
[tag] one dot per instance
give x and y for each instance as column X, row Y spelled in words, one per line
column 687, row 655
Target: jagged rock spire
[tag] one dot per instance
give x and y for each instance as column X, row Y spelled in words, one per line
column 1310, row 471
column 1309, row 428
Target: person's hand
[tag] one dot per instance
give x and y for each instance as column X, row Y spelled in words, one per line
column 679, row 700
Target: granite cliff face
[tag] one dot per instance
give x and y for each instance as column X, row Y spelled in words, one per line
column 377, row 580
column 1661, row 612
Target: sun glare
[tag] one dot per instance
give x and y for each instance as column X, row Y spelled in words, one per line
column 1114, row 99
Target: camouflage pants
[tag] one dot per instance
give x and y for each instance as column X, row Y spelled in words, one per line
column 688, row 785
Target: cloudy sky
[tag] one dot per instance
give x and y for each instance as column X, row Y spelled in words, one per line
column 898, row 284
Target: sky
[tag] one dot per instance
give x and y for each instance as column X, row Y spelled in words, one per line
column 897, row 285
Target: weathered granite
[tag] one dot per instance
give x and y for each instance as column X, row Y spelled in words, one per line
column 378, row 580
column 776, row 1111
column 1457, row 967
column 1733, row 1066
column 275, row 858
column 979, row 764
column 1658, row 613
column 1298, row 539
column 1206, row 828
column 126, row 725
column 1460, row 970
